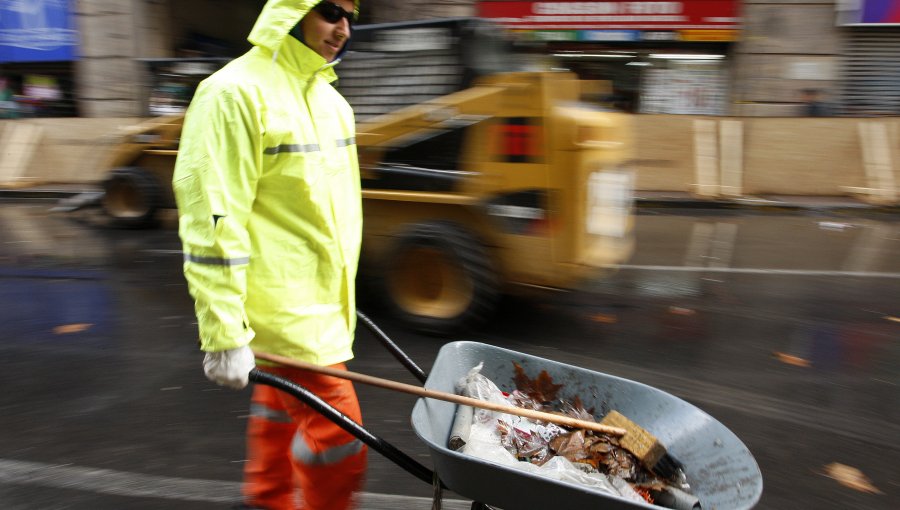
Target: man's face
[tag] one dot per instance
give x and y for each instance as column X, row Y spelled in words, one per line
column 324, row 37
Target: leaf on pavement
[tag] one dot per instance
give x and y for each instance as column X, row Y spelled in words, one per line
column 71, row 328
column 849, row 476
column 790, row 359
column 604, row 318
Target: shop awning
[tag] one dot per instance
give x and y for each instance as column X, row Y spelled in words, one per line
column 642, row 20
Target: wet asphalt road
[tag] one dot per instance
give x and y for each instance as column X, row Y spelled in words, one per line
column 784, row 326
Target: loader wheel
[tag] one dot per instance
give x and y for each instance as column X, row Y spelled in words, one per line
column 439, row 280
column 132, row 197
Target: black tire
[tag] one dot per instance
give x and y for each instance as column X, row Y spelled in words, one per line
column 131, row 197
column 438, row 279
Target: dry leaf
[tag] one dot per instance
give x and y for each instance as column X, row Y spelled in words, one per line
column 71, row 328
column 604, row 318
column 849, row 476
column 892, row 318
column 540, row 389
column 790, row 359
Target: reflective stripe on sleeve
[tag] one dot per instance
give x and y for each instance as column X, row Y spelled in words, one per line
column 215, row 261
column 302, row 453
column 346, row 142
column 266, row 413
column 293, row 147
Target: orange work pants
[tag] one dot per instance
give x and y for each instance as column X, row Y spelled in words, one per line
column 291, row 446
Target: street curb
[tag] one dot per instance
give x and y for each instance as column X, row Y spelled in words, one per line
column 762, row 205
column 48, row 194
column 826, row 204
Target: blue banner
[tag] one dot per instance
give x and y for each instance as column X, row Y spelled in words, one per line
column 881, row 12
column 38, row 31
column 868, row 12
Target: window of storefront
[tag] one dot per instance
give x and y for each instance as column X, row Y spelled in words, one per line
column 685, row 84
column 659, row 57
column 204, row 35
column 37, row 90
column 38, row 43
column 656, row 80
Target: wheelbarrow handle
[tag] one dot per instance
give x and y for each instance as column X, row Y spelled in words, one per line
column 441, row 395
column 389, row 344
column 317, row 404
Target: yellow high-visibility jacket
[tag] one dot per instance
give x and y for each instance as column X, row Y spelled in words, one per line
column 268, row 193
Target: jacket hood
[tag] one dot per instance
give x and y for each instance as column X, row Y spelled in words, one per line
column 277, row 19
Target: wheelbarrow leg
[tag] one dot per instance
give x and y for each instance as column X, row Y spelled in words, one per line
column 437, row 496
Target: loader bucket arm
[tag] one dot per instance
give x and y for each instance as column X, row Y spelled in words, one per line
column 408, row 125
column 161, row 133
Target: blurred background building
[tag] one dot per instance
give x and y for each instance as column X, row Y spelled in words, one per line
column 108, row 58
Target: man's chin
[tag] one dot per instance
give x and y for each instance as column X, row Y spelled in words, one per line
column 328, row 53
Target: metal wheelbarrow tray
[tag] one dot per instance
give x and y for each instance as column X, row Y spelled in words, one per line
column 721, row 471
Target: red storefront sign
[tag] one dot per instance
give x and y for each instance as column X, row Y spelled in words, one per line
column 633, row 15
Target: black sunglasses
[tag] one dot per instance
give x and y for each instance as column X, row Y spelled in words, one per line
column 332, row 12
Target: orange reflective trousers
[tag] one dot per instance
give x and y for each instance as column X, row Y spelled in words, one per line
column 291, row 446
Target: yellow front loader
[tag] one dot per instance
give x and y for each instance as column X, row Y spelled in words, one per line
column 506, row 186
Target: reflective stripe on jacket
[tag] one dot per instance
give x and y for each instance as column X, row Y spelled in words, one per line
column 268, row 194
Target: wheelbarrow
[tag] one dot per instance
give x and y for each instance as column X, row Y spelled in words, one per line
column 721, row 470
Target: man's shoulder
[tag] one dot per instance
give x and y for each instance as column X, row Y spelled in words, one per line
column 244, row 73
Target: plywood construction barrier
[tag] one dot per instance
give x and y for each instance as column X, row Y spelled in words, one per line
column 880, row 151
column 708, row 157
column 57, row 150
column 716, row 157
column 18, row 144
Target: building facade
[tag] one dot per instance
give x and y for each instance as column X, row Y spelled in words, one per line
column 114, row 58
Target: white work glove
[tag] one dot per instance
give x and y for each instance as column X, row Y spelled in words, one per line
column 230, row 368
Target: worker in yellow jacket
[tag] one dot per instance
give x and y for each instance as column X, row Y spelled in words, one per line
column 270, row 215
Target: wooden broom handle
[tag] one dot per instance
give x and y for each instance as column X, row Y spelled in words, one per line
column 441, row 395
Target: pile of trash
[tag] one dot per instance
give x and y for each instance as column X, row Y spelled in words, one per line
column 585, row 457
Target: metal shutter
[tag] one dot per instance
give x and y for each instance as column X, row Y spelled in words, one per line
column 871, row 73
column 376, row 83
